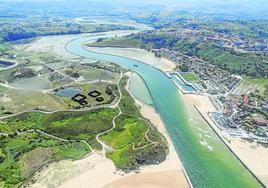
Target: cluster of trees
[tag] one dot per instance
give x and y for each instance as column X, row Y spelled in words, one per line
column 184, row 67
column 52, row 28
column 17, row 35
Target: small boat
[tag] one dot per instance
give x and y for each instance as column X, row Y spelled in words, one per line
column 135, row 65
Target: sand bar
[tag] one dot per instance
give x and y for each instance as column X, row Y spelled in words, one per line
column 138, row 54
column 97, row 171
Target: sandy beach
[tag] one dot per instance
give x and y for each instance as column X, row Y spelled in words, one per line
column 140, row 55
column 150, row 180
column 167, row 174
column 51, row 44
column 253, row 155
column 96, row 171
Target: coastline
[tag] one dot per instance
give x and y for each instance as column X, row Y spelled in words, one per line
column 56, row 44
column 252, row 155
column 204, row 105
column 203, row 108
column 149, row 58
column 154, row 176
column 99, row 172
column 96, row 170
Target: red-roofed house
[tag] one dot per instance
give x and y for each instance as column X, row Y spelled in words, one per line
column 246, row 99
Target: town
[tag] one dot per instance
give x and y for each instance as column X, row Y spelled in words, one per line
column 239, row 113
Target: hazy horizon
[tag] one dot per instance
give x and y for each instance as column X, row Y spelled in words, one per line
column 239, row 8
column 166, row 2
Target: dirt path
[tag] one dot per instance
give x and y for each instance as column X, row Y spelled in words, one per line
column 104, row 146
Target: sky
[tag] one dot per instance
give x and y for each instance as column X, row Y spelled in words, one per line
column 249, row 4
column 175, row 2
column 252, row 2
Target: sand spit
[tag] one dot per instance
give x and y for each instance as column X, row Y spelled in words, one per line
column 140, row 55
column 97, row 171
column 104, row 175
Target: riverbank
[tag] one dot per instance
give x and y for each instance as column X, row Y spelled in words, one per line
column 171, row 168
column 253, row 155
column 56, row 44
column 149, row 58
column 99, row 172
column 68, row 173
column 167, row 174
column 193, row 139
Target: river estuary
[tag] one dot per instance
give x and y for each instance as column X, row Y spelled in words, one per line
column 208, row 162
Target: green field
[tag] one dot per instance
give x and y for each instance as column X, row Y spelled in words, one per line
column 2, row 89
column 18, row 160
column 134, row 140
column 130, row 145
column 117, row 42
column 190, row 77
column 127, row 103
column 68, row 125
column 15, row 101
column 261, row 84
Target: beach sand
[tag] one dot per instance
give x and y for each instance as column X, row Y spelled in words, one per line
column 167, row 174
column 51, row 44
column 56, row 44
column 88, row 172
column 253, row 155
column 96, row 171
column 150, row 180
column 140, row 55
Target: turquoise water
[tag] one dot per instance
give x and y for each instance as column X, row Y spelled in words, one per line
column 138, row 88
column 208, row 162
column 185, row 86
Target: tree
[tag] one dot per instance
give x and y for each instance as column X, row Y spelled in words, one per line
column 184, row 67
column 108, row 90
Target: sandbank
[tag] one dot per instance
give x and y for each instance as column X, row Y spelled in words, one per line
column 138, row 54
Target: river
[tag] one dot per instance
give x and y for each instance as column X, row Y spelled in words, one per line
column 208, row 162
